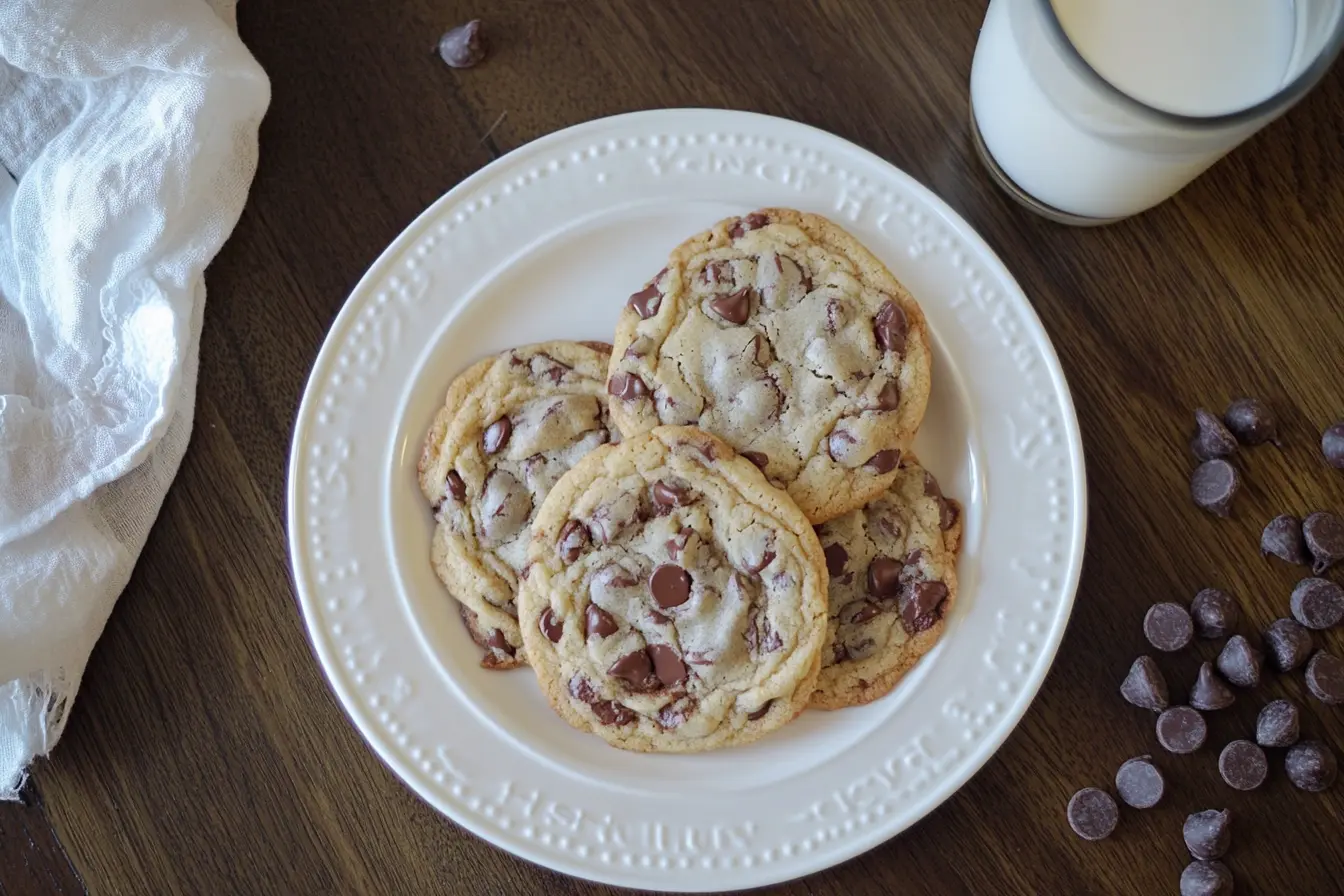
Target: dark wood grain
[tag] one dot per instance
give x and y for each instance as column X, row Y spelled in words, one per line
column 206, row 753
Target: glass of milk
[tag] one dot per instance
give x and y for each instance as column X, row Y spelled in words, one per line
column 1088, row 111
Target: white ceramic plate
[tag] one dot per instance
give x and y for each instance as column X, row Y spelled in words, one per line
column 547, row 243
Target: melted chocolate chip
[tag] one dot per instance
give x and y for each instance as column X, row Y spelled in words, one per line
column 677, row 544
column 1251, row 421
column 1208, row 834
column 1311, row 766
column 889, row 326
column 666, row 495
column 920, row 605
column 761, row 638
column 1092, row 814
column 1211, row 437
column 884, row 461
column 1278, row 725
column 1324, row 534
column 1243, row 765
column 836, row 558
column 1282, row 538
column 1332, row 445
column 551, row 625
column 759, row 458
column 1209, row 693
column 497, row 435
column 884, row 577
column 735, row 307
column 1214, row 613
column 627, row 387
column 716, row 272
column 1317, row 603
column 499, row 642
column 667, row 665
column 860, row 611
column 760, row 713
column 753, row 221
column 597, row 621
column 645, row 302
column 636, row 670
column 1144, row 686
column 889, row 399
column 463, row 46
column 1181, row 729
column 837, row 445
column 670, row 585
column 1213, row 485
column 1288, row 643
column 456, row 487
column 610, row 713
column 573, row 539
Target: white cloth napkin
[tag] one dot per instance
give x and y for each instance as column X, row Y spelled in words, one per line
column 128, row 140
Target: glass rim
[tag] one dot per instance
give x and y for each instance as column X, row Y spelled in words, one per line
column 1280, row 99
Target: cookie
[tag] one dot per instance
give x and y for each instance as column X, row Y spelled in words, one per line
column 893, row 580
column 510, row 427
column 675, row 601
column 782, row 335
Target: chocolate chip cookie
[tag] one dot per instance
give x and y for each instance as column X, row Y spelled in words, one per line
column 782, row 335
column 675, row 600
column 893, row 580
column 509, row 428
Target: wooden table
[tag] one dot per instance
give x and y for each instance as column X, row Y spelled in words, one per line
column 206, row 753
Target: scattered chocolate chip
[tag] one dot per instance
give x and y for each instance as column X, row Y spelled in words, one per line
column 597, row 621
column 1209, row 693
column 1282, row 538
column 884, row 577
column 1277, row 725
column 1213, row 485
column 552, row 626
column 456, row 487
column 1092, row 813
column 1214, row 612
column 1206, row 879
column 760, row 713
column 645, row 302
column 884, row 461
column 753, row 221
column 920, row 603
column 635, row 669
column 1240, row 662
column 1288, row 643
column 667, row 496
column 497, row 435
column 889, row 326
column 463, row 46
column 735, row 307
column 1208, row 834
column 1243, row 765
column 1181, row 729
column 1325, row 678
column 573, row 539
column 1332, row 445
column 889, row 399
column 1144, row 686
column 1251, row 421
column 1168, row 627
column 627, row 387
column 667, row 665
column 759, row 458
column 1324, row 534
column 1317, row 603
column 1311, row 766
column 836, row 558
column 1140, row 783
column 670, row 585
column 1211, row 437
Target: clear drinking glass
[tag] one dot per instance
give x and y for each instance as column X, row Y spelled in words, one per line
column 1089, row 111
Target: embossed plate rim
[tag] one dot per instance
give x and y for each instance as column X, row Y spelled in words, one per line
column 740, row 863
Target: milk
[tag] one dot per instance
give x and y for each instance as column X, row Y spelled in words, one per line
column 1073, row 145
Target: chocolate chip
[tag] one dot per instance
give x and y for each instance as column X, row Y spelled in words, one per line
column 498, row 641
column 670, row 585
column 1209, row 693
column 884, row 461
column 1332, row 445
column 1181, row 730
column 463, row 46
column 1243, row 765
column 627, row 387
column 884, row 577
column 645, row 302
column 610, row 713
column 667, row 496
column 1206, row 879
column 1277, row 725
column 735, row 307
column 1240, row 662
column 667, row 665
column 635, row 669
column 1325, row 678
column 1214, row 612
column 1168, row 627
column 1144, row 686
column 1092, row 813
column 1213, row 485
column 889, row 398
column 759, row 458
column 760, row 713
column 1211, row 437
column 573, row 539
column 1317, row 603
column 552, row 626
column 920, row 603
column 889, row 326
column 1288, row 643
column 597, row 621
column 1282, row 538
column 837, row 445
column 1208, row 834
column 1324, row 534
column 860, row 611
column 836, row 558
column 1140, row 783
column 1251, row 421
column 497, row 435
column 717, row 272
column 753, row 221
column 677, row 544
column 456, row 487
column 1311, row 766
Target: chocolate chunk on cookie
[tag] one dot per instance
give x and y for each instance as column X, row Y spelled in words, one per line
column 694, row 616
column 781, row 334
